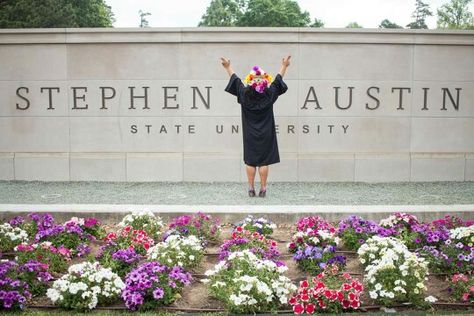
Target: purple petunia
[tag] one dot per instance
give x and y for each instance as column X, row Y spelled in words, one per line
column 158, row 293
column 153, row 280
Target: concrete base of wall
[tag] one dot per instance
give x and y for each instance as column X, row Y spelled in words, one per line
column 294, row 167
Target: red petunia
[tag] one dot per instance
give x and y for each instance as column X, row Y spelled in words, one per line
column 346, row 287
column 346, row 304
column 352, row 296
column 327, row 293
column 310, row 308
column 340, row 296
column 298, row 309
column 322, row 304
column 304, row 284
column 292, row 300
column 239, row 229
column 357, row 286
column 304, row 297
column 355, row 304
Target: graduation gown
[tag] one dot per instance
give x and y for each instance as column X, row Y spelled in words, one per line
column 258, row 121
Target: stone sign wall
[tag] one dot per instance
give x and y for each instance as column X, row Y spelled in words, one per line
column 149, row 104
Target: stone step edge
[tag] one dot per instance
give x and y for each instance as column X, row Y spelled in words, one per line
column 279, row 214
column 164, row 208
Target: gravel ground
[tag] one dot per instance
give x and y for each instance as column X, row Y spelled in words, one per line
column 233, row 193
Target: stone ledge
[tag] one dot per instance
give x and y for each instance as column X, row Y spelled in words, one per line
column 237, row 34
column 280, row 214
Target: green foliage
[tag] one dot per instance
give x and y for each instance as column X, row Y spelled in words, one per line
column 354, row 25
column 223, row 13
column 387, row 24
column 422, row 10
column 455, row 15
column 274, row 13
column 56, row 262
column 269, row 13
column 55, row 13
column 317, row 23
column 143, row 20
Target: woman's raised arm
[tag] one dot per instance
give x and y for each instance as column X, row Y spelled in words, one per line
column 226, row 64
column 284, row 64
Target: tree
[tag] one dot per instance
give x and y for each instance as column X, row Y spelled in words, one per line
column 274, row 13
column 422, row 10
column 354, row 25
column 317, row 23
column 386, row 24
column 455, row 15
column 143, row 20
column 223, row 13
column 55, row 13
column 255, row 13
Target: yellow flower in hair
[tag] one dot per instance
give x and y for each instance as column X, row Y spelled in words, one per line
column 258, row 79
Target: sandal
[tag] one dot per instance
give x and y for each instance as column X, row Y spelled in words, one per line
column 251, row 192
column 262, row 193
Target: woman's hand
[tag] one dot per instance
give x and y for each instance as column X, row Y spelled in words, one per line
column 286, row 61
column 226, row 63
column 284, row 64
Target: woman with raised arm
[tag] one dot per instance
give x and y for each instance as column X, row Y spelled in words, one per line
column 256, row 99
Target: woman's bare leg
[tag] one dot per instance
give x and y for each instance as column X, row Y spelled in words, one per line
column 263, row 171
column 251, row 171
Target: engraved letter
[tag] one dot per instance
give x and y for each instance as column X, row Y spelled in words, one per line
column 207, row 103
column 455, row 104
column 76, row 97
column 145, row 96
column 50, row 96
column 18, row 107
column 337, row 98
column 371, row 96
column 311, row 91
column 400, row 94
column 170, row 97
column 425, row 97
column 106, row 98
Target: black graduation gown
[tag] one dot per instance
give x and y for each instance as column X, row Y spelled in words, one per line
column 258, row 121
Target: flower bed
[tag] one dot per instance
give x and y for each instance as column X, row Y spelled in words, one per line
column 256, row 243
column 11, row 236
column 182, row 251
column 329, row 291
column 251, row 275
column 248, row 284
column 19, row 282
column 201, row 225
column 144, row 220
column 261, row 225
column 314, row 245
column 84, row 286
column 393, row 273
column 152, row 284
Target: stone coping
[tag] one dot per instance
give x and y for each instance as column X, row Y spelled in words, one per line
column 280, row 214
column 164, row 208
column 235, row 35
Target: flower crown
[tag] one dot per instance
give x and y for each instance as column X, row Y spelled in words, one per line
column 258, row 79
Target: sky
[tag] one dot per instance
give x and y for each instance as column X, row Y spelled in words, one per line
column 334, row 13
